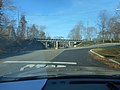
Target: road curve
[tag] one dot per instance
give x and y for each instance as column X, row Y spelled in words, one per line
column 80, row 56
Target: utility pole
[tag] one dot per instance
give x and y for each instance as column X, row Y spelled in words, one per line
column 18, row 15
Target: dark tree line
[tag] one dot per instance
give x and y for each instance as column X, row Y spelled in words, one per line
column 8, row 27
column 30, row 32
column 80, row 31
column 109, row 27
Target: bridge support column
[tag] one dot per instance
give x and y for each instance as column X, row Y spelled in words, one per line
column 56, row 45
column 46, row 44
column 69, row 44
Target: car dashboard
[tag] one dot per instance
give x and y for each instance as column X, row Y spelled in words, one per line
column 64, row 83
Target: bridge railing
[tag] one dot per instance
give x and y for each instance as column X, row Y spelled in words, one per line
column 71, row 40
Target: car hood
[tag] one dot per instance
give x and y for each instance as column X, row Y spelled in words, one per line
column 64, row 71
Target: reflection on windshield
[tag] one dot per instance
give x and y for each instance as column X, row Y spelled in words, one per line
column 59, row 34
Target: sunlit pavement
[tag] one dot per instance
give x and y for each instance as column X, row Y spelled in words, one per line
column 37, row 59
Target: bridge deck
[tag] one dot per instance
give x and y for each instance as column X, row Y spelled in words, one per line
column 59, row 40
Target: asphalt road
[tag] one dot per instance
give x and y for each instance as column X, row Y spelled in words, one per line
column 77, row 57
column 81, row 56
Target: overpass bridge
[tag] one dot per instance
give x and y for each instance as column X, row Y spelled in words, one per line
column 56, row 42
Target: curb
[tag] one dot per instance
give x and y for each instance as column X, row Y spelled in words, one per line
column 104, row 57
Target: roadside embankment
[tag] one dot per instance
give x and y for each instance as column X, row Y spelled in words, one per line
column 14, row 46
column 108, row 56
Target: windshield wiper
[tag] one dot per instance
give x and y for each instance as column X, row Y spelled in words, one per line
column 12, row 79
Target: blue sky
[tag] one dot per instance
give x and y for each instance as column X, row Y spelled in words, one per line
column 60, row 16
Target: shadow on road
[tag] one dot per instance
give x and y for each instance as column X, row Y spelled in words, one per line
column 2, row 56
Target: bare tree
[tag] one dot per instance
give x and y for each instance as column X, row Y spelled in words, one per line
column 111, row 23
column 42, row 34
column 90, row 32
column 102, row 23
column 5, row 5
column 34, row 33
column 22, row 28
column 48, row 36
column 114, row 27
column 76, row 32
column 11, row 30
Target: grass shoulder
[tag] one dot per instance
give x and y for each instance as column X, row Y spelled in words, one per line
column 111, row 53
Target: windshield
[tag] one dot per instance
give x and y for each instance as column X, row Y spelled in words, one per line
column 59, row 37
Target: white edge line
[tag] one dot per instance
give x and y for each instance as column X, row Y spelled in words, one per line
column 97, row 54
column 42, row 62
column 104, row 57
